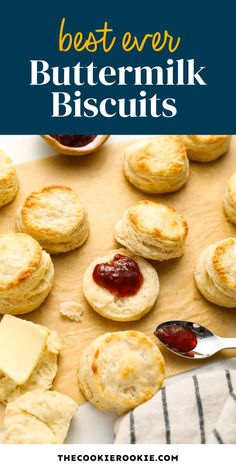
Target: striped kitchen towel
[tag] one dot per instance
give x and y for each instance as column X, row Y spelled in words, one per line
column 201, row 409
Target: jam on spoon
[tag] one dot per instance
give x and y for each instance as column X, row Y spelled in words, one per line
column 74, row 140
column 121, row 276
column 178, row 338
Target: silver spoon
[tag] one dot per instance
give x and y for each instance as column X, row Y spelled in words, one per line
column 207, row 343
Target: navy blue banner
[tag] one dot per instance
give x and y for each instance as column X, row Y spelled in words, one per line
column 117, row 67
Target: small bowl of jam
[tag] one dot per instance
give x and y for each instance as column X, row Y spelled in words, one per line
column 75, row 144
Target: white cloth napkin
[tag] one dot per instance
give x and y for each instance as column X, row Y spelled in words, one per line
column 200, row 409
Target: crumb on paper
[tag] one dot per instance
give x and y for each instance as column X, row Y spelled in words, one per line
column 72, row 310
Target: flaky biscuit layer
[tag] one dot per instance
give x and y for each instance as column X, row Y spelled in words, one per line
column 205, row 148
column 55, row 216
column 152, row 230
column 8, row 180
column 215, row 273
column 26, row 274
column 229, row 199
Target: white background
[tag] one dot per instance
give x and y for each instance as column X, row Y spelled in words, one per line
column 190, row 458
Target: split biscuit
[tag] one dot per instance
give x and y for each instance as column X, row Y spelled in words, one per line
column 215, row 273
column 8, row 180
column 157, row 165
column 114, row 307
column 119, row 371
column 55, row 217
column 26, row 274
column 152, row 230
column 42, row 376
column 205, row 148
column 38, row 417
column 229, row 199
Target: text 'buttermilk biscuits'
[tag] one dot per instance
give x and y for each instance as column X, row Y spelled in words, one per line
column 55, row 216
column 38, row 417
column 152, row 230
column 205, row 148
column 121, row 286
column 229, row 199
column 119, row 371
column 215, row 273
column 26, row 274
column 8, row 180
column 157, row 165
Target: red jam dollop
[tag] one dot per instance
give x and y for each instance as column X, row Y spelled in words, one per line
column 74, row 140
column 121, row 276
column 179, row 338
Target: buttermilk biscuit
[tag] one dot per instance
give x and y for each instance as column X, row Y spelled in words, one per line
column 41, row 377
column 205, row 148
column 38, row 417
column 152, row 230
column 215, row 274
column 126, row 308
column 119, row 371
column 157, row 165
column 8, row 180
column 26, row 274
column 55, row 217
column 229, row 199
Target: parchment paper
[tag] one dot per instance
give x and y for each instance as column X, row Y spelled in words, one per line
column 99, row 180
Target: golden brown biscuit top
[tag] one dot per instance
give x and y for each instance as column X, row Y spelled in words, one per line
column 53, row 210
column 128, row 360
column 205, row 139
column 20, row 256
column 224, row 262
column 157, row 220
column 162, row 156
column 6, row 168
column 231, row 187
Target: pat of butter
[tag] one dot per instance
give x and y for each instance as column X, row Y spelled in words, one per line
column 21, row 346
